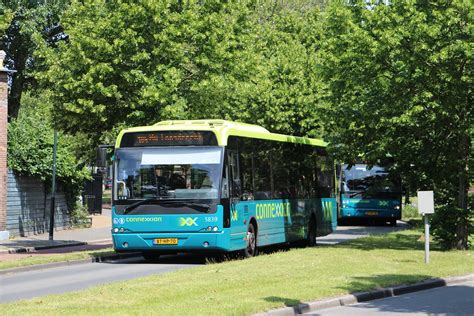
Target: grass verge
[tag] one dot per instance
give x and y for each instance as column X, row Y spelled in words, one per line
column 275, row 280
column 35, row 259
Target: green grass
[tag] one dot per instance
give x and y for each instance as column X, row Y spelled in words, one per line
column 269, row 281
column 410, row 212
column 29, row 260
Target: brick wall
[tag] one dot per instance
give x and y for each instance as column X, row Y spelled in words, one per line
column 3, row 143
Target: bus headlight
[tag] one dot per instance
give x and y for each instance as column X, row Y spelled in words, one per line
column 116, row 230
column 397, row 207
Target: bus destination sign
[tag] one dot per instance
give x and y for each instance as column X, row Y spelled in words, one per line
column 169, row 138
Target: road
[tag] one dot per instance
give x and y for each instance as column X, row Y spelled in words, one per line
column 448, row 300
column 344, row 233
column 25, row 285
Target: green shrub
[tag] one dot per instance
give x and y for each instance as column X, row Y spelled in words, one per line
column 79, row 216
column 410, row 211
column 448, row 223
column 30, row 148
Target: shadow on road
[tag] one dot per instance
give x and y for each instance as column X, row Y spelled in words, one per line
column 182, row 258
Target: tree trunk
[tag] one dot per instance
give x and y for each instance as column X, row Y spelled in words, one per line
column 462, row 229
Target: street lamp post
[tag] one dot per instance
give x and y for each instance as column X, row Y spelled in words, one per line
column 53, row 188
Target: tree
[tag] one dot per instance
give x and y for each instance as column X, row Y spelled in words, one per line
column 399, row 81
column 22, row 25
column 5, row 19
column 30, row 146
column 132, row 63
column 284, row 95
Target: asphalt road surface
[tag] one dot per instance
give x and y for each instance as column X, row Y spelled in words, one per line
column 448, row 300
column 30, row 284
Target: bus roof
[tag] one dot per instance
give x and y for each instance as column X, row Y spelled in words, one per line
column 223, row 129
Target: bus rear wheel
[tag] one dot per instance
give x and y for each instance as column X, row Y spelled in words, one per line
column 251, row 249
column 311, row 237
column 151, row 256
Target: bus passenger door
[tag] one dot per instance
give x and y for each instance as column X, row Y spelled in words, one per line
column 238, row 228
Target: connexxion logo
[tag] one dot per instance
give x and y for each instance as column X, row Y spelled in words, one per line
column 188, row 221
column 235, row 215
column 327, row 206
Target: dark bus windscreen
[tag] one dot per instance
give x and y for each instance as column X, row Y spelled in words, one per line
column 375, row 182
column 173, row 173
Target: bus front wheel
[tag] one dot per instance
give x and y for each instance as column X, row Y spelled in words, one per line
column 251, row 249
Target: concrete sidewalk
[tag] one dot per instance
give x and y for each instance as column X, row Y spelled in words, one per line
column 97, row 234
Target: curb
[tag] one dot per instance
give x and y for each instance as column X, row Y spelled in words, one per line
column 71, row 262
column 33, row 249
column 366, row 296
column 69, row 244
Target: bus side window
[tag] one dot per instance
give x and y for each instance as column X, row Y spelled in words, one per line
column 263, row 170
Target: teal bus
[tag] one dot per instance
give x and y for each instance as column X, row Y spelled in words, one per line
column 218, row 186
column 369, row 194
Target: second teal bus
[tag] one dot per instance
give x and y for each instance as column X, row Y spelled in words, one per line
column 369, row 194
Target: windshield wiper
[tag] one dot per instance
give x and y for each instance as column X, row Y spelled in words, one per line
column 130, row 207
column 357, row 193
column 198, row 205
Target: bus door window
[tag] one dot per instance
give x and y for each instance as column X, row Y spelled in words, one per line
column 263, row 173
column 246, row 177
column 246, row 166
column 235, row 188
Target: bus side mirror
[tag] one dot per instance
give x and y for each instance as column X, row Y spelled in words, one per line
column 101, row 155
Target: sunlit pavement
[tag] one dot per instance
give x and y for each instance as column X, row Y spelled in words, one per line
column 448, row 300
column 344, row 233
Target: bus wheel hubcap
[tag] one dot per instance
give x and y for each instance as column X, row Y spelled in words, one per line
column 250, row 242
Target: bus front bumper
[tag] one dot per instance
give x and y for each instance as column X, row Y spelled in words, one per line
column 171, row 242
column 370, row 213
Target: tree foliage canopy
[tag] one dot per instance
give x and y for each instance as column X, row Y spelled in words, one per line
column 30, row 146
column 24, row 25
column 133, row 63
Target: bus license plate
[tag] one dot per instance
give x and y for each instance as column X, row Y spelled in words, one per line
column 165, row 241
column 372, row 213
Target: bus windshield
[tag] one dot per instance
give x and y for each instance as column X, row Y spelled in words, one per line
column 168, row 173
column 376, row 182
